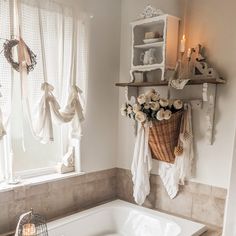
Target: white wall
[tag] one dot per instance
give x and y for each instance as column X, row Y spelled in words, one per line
column 99, row 141
column 230, row 215
column 212, row 26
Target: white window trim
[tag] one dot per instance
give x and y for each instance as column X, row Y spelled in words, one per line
column 26, row 174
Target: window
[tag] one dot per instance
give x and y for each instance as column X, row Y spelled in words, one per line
column 57, row 21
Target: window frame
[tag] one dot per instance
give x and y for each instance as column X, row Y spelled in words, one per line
column 35, row 172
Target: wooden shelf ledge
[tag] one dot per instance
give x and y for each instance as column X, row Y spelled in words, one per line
column 165, row 83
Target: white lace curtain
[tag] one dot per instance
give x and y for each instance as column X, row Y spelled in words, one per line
column 51, row 93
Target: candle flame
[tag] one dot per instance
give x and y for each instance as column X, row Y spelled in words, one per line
column 184, row 37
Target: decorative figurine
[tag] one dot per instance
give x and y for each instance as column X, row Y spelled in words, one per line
column 150, row 11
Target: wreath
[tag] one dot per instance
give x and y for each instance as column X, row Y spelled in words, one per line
column 8, row 46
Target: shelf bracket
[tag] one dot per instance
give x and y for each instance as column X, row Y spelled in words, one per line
column 130, row 96
column 209, row 96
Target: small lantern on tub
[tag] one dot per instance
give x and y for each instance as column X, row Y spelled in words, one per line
column 31, row 224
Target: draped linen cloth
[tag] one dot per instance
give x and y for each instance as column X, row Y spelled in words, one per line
column 141, row 165
column 174, row 174
column 48, row 109
column 2, row 129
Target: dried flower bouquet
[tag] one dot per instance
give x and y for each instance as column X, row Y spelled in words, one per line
column 150, row 107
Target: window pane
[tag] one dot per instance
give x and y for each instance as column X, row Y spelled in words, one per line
column 57, row 23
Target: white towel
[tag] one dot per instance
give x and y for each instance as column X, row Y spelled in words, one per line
column 170, row 178
column 141, row 165
column 174, row 174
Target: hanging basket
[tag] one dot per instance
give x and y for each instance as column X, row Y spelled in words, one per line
column 163, row 138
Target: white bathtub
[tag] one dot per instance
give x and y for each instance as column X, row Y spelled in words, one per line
column 119, row 218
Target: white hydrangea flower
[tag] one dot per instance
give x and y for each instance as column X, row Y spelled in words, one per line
column 140, row 116
column 155, row 97
column 155, row 106
column 142, row 99
column 164, row 102
column 146, row 106
column 136, row 108
column 178, row 104
column 160, row 114
column 167, row 114
column 150, row 92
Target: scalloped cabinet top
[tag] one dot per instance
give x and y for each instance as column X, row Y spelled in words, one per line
column 154, row 44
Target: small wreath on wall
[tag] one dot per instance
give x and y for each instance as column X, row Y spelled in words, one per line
column 8, row 46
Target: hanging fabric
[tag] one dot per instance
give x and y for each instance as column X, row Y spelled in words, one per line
column 183, row 162
column 174, row 174
column 73, row 102
column 2, row 129
column 49, row 109
column 141, row 165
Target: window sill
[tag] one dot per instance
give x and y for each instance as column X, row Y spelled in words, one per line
column 38, row 180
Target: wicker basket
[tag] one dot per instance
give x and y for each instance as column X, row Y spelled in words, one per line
column 163, row 137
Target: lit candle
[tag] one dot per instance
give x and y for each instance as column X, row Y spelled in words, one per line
column 182, row 44
column 189, row 53
column 29, row 230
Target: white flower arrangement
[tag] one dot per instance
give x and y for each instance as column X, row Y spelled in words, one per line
column 150, row 107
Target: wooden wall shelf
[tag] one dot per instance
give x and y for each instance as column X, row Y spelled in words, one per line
column 165, row 83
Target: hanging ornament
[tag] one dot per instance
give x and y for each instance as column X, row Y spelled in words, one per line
column 8, row 53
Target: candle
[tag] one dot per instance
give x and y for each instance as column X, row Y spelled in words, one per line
column 182, row 44
column 29, row 230
column 189, row 53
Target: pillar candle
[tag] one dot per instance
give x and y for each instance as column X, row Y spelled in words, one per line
column 182, row 44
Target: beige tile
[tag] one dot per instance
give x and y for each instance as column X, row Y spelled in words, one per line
column 181, row 204
column 80, row 195
column 125, row 186
column 19, row 193
column 219, row 192
column 15, row 209
column 155, row 179
column 7, row 196
column 104, row 174
column 35, row 190
column 197, row 188
column 208, row 209
column 4, row 219
column 57, row 204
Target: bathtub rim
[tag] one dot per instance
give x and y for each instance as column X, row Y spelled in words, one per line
column 120, row 203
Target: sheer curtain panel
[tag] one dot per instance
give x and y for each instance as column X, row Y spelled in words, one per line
column 45, row 106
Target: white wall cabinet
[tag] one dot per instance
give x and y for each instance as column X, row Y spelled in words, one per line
column 164, row 46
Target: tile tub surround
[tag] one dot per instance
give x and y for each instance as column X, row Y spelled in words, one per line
column 195, row 201
column 198, row 202
column 57, row 198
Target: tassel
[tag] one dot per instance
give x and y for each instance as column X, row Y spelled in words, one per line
column 178, row 150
